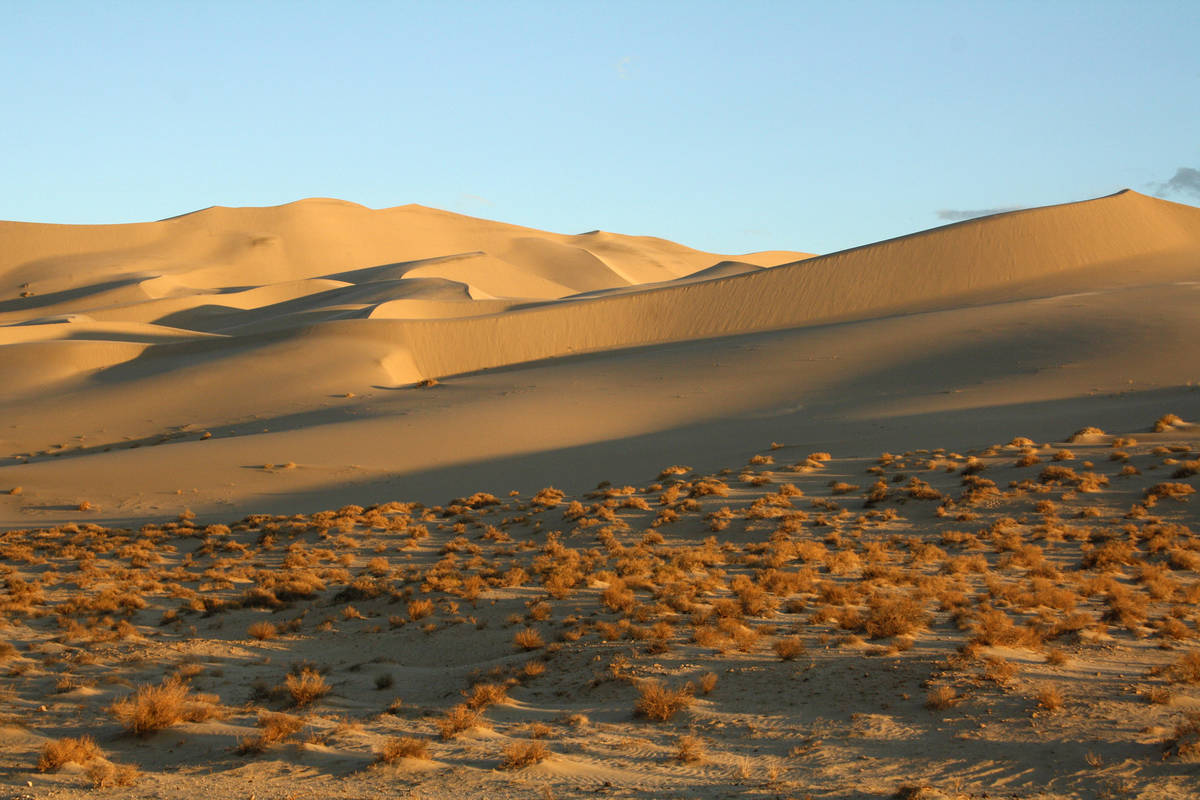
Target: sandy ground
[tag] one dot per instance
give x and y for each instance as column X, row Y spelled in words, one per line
column 160, row 382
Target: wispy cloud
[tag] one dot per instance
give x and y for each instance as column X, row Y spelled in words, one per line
column 958, row 215
column 625, row 68
column 1185, row 181
column 473, row 200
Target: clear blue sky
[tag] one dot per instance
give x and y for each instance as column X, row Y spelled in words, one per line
column 729, row 126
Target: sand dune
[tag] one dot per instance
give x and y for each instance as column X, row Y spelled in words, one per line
column 282, row 329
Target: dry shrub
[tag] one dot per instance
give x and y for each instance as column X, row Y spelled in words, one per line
column 1085, row 433
column 1159, row 696
column 524, row 754
column 659, row 703
column 395, row 748
column 1166, row 422
column 618, row 597
column 263, row 631
column 689, row 749
column 69, row 750
column 893, row 615
column 1049, row 698
column 941, row 697
column 994, row 627
column 1173, row 491
column 790, row 648
column 548, row 497
column 1186, row 669
column 420, row 608
column 1185, row 741
column 276, row 727
column 1056, row 658
column 528, row 639
column 708, row 682
column 486, row 694
column 999, row 671
column 153, row 708
column 104, row 774
column 306, row 687
column 458, row 719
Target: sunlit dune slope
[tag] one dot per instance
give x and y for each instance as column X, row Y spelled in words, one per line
column 242, row 272
column 1117, row 240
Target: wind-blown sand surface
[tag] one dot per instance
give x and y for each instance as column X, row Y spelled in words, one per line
column 278, row 362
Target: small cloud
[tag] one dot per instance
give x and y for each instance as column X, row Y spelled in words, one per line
column 473, row 200
column 958, row 215
column 625, row 68
column 1185, row 181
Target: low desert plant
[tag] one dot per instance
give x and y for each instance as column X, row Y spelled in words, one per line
column 458, row 719
column 104, row 774
column 275, row 727
column 79, row 750
column 419, row 609
column 659, row 703
column 1049, row 698
column 306, row 687
column 1186, row 669
column 689, row 749
column 528, row 639
column 263, row 631
column 486, row 694
column 941, row 697
column 395, row 748
column 789, row 648
column 153, row 708
column 524, row 754
column 1185, row 741
column 893, row 615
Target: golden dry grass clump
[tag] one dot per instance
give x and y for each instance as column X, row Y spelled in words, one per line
column 79, row 750
column 524, row 754
column 941, row 697
column 306, row 686
column 395, row 748
column 528, row 639
column 689, row 749
column 458, row 719
column 152, row 708
column 105, row 774
column 276, row 727
column 659, row 703
column 262, row 631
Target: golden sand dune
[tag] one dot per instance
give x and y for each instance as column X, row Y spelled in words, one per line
column 295, row 334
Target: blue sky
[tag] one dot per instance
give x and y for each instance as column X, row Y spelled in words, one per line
column 725, row 126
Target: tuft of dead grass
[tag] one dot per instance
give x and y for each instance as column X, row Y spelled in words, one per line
column 79, row 750
column 941, row 697
column 524, row 754
column 659, row 703
column 152, row 708
column 689, row 749
column 395, row 748
column 306, row 687
column 458, row 719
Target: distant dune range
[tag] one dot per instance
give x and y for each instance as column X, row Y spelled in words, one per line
column 236, row 338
